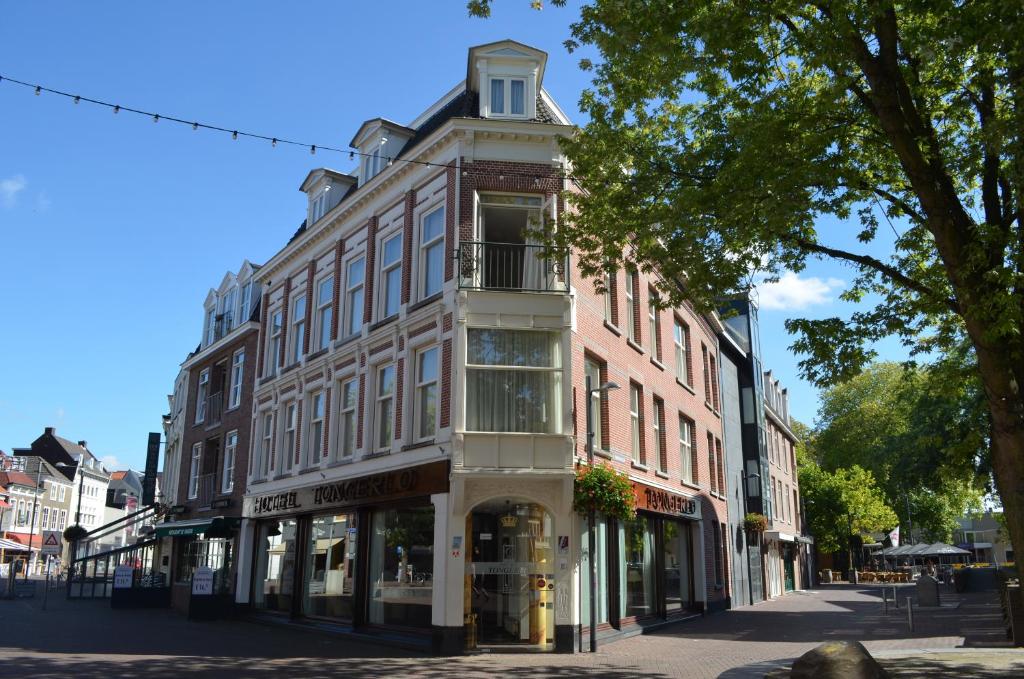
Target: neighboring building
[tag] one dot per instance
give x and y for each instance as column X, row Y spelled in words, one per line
column 55, row 501
column 20, row 523
column 211, row 410
column 174, row 433
column 985, row 536
column 418, row 413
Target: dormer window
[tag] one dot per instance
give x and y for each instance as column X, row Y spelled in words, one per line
column 508, row 96
column 318, row 207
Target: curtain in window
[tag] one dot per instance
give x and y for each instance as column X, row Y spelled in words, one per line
column 497, row 95
column 517, row 97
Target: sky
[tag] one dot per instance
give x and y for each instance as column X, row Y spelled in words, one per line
column 113, row 228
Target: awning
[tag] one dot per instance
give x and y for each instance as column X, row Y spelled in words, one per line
column 14, row 546
column 779, row 535
column 178, row 529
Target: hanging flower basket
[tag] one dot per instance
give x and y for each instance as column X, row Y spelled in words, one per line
column 74, row 533
column 606, row 491
column 755, row 523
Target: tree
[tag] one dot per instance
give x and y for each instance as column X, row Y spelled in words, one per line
column 730, row 136
column 842, row 506
column 920, row 434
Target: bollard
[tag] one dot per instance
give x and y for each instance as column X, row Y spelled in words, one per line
column 885, row 600
column 910, row 614
column 895, row 599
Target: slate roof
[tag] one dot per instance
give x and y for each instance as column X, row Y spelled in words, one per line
column 21, row 478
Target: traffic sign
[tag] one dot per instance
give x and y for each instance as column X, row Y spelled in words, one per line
column 51, row 542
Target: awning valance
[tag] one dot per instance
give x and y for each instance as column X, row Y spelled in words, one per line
column 13, row 546
column 219, row 525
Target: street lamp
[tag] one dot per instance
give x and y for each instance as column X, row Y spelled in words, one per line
column 592, row 518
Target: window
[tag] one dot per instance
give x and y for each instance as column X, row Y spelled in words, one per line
column 22, row 517
column 319, row 207
column 511, row 90
column 237, row 366
column 298, row 335
column 266, row 444
column 193, row 471
column 63, row 519
column 597, row 399
column 721, row 466
column 53, row 490
column 611, row 308
column 632, row 308
column 796, row 510
column 712, row 463
column 227, row 311
column 789, row 515
column 654, row 323
column 714, row 381
column 432, row 253
column 246, row 303
column 354, row 296
column 324, row 312
column 636, row 421
column 778, row 494
column 291, row 417
column 391, row 276
column 315, row 444
column 681, row 338
column 274, row 353
column 659, row 430
column 202, row 392
column 227, row 481
column 46, row 518
column 384, row 410
column 513, row 381
column 687, row 458
column 347, row 422
column 211, row 325
column 426, row 393
column 707, row 373
column 62, row 489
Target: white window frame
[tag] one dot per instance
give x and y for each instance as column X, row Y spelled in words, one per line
column 324, row 318
column 680, row 337
column 53, row 490
column 424, row 387
column 593, row 368
column 347, row 410
column 353, row 290
column 630, row 306
column 211, row 323
column 635, row 400
column 46, row 518
column 658, row 414
column 274, row 349
column 297, row 336
column 654, row 321
column 227, row 479
column 193, row 470
column 245, row 303
column 608, row 298
column 426, row 247
column 202, row 394
column 383, row 400
column 387, row 269
column 266, row 442
column 63, row 518
column 506, row 89
column 227, row 308
column 290, row 415
column 315, row 432
column 237, row 375
column 686, row 450
column 62, row 489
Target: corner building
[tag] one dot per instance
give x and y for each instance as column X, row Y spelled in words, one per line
column 418, row 413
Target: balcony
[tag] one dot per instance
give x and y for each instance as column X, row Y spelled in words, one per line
column 206, row 488
column 214, row 409
column 513, row 267
column 222, row 325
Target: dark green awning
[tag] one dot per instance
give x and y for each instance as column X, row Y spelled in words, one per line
column 219, row 526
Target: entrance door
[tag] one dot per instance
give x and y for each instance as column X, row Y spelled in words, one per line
column 510, row 574
column 787, row 560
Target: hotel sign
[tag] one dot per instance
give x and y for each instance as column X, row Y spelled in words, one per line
column 383, row 487
column 661, row 501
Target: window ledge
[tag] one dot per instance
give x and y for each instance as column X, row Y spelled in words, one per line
column 426, row 301
column 614, row 328
column 282, row 475
column 230, row 409
column 340, row 463
column 345, row 340
column 689, row 484
column 378, row 453
column 712, row 409
column 638, row 465
column 253, row 482
column 291, row 367
column 385, row 321
column 658, row 364
column 636, row 346
column 685, row 386
column 419, row 444
column 317, row 354
column 606, row 454
column 660, row 474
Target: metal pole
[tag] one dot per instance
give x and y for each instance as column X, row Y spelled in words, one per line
column 910, row 614
column 885, row 600
column 46, row 586
column 32, row 523
column 591, row 528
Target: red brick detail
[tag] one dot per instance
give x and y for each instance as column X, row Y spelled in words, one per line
column 263, row 334
column 370, row 275
column 327, row 424
column 446, row 322
column 449, row 223
column 360, row 410
column 613, row 292
column 399, row 396
column 446, row 383
column 339, row 253
column 298, row 431
column 410, row 206
column 362, row 360
column 422, row 329
column 381, row 347
column 344, row 364
column 310, row 273
column 401, row 342
column 283, row 349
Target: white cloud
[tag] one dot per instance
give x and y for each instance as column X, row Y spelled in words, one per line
column 10, row 188
column 110, row 463
column 793, row 293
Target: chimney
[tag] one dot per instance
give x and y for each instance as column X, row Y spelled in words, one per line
column 49, row 431
column 82, row 443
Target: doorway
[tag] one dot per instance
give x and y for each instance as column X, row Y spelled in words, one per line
column 509, row 593
column 787, row 561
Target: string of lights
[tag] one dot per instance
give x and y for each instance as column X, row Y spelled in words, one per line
column 236, row 133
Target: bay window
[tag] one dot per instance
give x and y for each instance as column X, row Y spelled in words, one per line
column 513, row 381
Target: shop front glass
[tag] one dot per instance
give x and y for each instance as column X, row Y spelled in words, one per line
column 331, row 566
column 276, row 565
column 601, row 542
column 509, row 593
column 401, row 567
column 638, row 575
column 678, row 565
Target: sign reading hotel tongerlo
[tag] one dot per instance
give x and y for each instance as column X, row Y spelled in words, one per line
column 385, row 486
column 654, row 499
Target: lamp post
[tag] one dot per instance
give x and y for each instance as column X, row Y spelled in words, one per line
column 32, row 522
column 592, row 518
column 78, row 513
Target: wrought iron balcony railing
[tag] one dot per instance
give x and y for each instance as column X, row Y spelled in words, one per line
column 511, row 266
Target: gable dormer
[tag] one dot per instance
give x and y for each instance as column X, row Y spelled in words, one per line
column 324, row 188
column 379, row 141
column 508, row 76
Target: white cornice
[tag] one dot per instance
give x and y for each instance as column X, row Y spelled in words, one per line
column 224, row 341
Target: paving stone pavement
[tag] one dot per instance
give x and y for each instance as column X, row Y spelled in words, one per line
column 88, row 639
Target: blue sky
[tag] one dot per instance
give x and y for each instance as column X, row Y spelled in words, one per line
column 113, row 227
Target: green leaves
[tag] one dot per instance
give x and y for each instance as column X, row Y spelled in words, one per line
column 841, row 504
column 604, row 490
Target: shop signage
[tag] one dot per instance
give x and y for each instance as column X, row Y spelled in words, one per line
column 653, row 499
column 123, row 576
column 202, row 581
column 152, row 462
column 384, row 487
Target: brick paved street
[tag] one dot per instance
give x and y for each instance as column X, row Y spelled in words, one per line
column 88, row 639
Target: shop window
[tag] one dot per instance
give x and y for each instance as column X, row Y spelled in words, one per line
column 275, row 568
column 638, row 574
column 331, row 566
column 678, row 565
column 601, row 549
column 401, row 567
column 212, row 553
